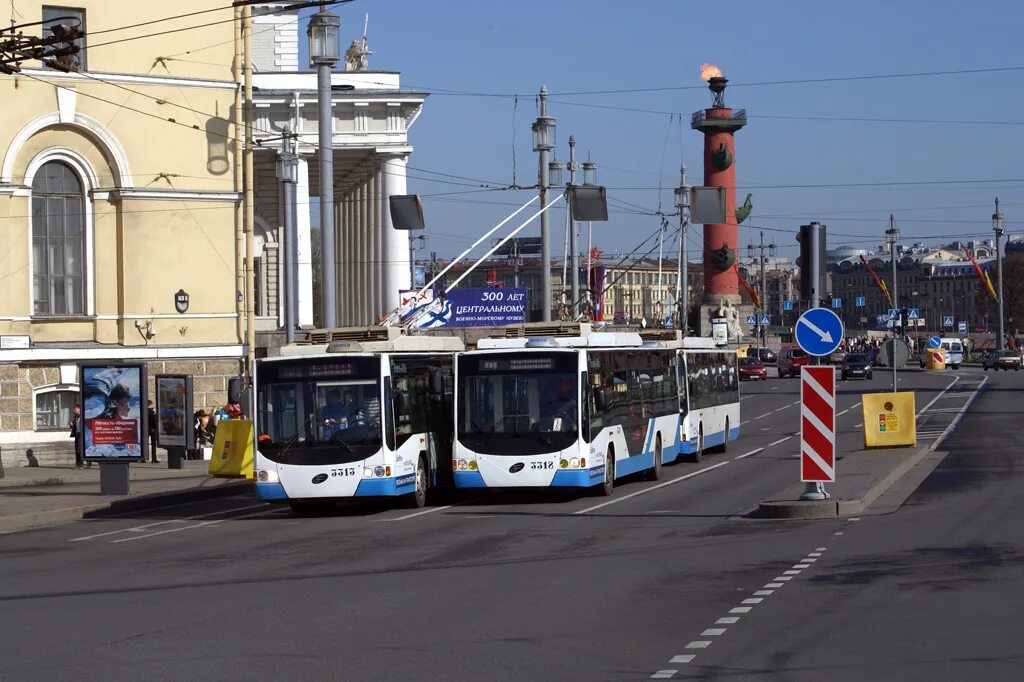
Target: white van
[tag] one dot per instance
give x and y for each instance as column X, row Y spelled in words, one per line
column 954, row 352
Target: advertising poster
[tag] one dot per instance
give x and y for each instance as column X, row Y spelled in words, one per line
column 411, row 301
column 114, row 412
column 174, row 410
column 477, row 308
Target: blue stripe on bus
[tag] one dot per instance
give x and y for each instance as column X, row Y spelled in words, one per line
column 382, row 487
column 270, row 491
column 469, row 479
column 734, row 433
column 670, row 454
column 579, row 478
column 631, row 465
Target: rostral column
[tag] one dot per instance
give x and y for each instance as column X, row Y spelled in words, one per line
column 719, row 124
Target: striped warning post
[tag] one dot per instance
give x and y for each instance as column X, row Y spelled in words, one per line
column 817, row 424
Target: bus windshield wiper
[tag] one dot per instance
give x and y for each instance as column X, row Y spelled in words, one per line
column 336, row 438
column 283, row 452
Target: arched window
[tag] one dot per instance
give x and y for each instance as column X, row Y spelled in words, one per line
column 58, row 244
column 53, row 407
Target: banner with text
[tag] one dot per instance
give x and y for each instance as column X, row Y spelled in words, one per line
column 477, row 308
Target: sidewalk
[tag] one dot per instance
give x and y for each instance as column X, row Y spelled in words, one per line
column 42, row 496
column 862, row 477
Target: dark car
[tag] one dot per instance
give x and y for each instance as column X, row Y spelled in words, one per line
column 1002, row 359
column 752, row 368
column 766, row 355
column 856, row 365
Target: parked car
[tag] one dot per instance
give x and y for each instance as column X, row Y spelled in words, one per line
column 766, row 355
column 791, row 359
column 1001, row 359
column 752, row 368
column 836, row 358
column 856, row 365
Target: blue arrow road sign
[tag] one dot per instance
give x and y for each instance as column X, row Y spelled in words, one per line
column 751, row 319
column 913, row 314
column 819, row 331
column 934, row 342
column 860, row 301
column 766, row 319
column 837, row 303
column 947, row 320
column 787, row 305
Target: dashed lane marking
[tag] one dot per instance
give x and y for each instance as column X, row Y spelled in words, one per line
column 699, row 644
column 652, row 488
column 192, row 527
column 713, row 632
column 682, row 658
column 663, row 674
column 750, row 454
column 727, row 620
column 145, row 526
column 781, row 440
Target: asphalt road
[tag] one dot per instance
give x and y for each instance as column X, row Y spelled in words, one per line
column 654, row 581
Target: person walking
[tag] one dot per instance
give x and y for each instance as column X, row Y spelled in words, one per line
column 75, row 425
column 151, row 409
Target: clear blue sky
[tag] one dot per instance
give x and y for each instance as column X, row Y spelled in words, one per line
column 570, row 45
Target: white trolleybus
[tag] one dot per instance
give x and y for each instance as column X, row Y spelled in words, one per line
column 709, row 397
column 355, row 419
column 575, row 411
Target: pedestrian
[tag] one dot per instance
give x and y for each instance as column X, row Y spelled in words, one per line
column 151, row 408
column 76, row 427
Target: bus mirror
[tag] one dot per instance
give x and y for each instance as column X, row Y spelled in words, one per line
column 436, row 381
column 599, row 399
column 402, row 402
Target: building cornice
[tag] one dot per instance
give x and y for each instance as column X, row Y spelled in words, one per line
column 135, row 79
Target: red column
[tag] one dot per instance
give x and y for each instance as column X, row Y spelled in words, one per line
column 720, row 279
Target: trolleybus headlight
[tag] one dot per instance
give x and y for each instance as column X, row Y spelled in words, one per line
column 462, row 465
column 378, row 470
column 563, row 463
column 574, row 463
column 265, row 476
column 367, row 472
column 472, row 465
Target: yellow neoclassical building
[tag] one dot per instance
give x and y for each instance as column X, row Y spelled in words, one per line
column 119, row 202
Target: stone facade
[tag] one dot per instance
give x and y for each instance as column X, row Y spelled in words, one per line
column 22, row 445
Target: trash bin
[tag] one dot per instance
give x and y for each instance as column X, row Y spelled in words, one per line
column 935, row 358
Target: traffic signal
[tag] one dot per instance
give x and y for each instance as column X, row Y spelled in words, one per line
column 810, row 256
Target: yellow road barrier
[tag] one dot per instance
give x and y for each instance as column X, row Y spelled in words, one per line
column 889, row 420
column 232, row 449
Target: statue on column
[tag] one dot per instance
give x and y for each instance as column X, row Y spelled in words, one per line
column 731, row 315
column 358, row 51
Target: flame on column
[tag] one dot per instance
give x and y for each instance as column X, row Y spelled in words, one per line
column 709, row 71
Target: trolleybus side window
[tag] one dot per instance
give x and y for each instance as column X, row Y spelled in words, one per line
column 412, row 404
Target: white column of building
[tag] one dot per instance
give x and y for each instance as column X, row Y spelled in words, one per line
column 302, row 227
column 375, row 297
column 364, row 253
column 341, row 224
column 395, row 256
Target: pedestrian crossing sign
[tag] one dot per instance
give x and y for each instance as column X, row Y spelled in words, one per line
column 913, row 314
column 765, row 319
column 947, row 320
column 751, row 319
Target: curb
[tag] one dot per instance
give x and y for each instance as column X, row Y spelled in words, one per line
column 53, row 517
column 823, row 509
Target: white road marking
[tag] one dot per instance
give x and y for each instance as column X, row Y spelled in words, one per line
column 750, row 454
column 783, row 577
column 682, row 658
column 960, row 415
column 663, row 674
column 135, row 529
column 740, row 609
column 713, row 632
column 753, row 600
column 840, row 414
column 936, row 398
column 420, row 513
column 858, row 425
column 764, row 593
column 647, row 490
column 782, row 408
column 819, row 549
column 838, row 533
column 699, row 644
column 781, row 440
column 854, row 519
column 727, row 620
column 810, row 560
column 801, row 566
column 177, row 530
column 791, row 572
column 773, row 586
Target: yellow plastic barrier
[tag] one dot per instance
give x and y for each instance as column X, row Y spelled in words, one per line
column 232, row 449
column 889, row 420
column 935, row 358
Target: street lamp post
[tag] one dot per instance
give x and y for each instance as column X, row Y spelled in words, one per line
column 682, row 287
column 543, row 143
column 324, row 52
column 997, row 227
column 288, row 176
column 892, row 235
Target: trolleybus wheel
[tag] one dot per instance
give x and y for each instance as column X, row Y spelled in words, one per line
column 608, row 486
column 418, row 498
column 654, row 473
column 698, row 454
column 724, row 447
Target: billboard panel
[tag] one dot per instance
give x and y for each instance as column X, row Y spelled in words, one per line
column 477, row 308
column 174, row 410
column 114, row 415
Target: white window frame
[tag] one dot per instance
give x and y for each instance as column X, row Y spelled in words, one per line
column 87, row 176
column 53, row 388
